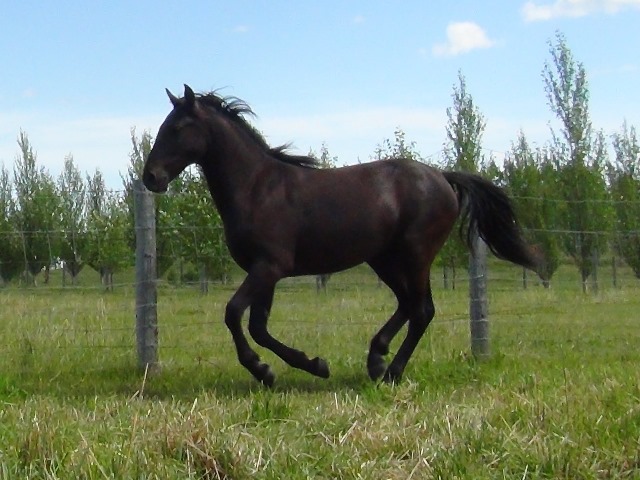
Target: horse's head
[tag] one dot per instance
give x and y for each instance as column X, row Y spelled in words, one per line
column 181, row 141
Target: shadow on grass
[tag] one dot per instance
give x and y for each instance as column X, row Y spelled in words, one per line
column 176, row 382
column 186, row 383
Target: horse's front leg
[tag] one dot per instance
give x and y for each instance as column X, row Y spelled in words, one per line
column 260, row 309
column 244, row 296
column 257, row 291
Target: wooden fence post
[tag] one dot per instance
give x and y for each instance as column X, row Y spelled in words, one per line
column 478, row 311
column 146, row 278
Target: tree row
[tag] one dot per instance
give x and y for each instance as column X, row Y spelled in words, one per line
column 577, row 196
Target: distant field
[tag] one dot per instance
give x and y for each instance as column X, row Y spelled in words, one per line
column 559, row 397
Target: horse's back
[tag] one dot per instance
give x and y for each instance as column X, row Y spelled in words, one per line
column 349, row 215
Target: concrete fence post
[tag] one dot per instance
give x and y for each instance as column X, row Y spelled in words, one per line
column 146, row 278
column 478, row 311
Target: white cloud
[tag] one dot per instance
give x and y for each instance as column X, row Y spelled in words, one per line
column 359, row 19
column 240, row 29
column 462, row 37
column 535, row 11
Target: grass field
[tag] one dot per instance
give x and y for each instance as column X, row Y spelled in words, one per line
column 559, row 397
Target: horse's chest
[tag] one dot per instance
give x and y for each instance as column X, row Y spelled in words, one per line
column 251, row 244
column 242, row 247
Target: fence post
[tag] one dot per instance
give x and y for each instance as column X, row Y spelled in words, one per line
column 146, row 278
column 478, row 311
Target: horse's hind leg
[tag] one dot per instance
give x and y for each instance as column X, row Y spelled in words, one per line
column 422, row 312
column 415, row 304
column 395, row 279
column 376, row 364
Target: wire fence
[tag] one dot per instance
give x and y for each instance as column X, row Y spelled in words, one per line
column 56, row 316
column 611, row 266
column 55, row 325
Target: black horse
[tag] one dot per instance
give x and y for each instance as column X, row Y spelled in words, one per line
column 283, row 217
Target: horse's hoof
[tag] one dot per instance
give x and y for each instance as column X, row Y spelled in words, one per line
column 320, row 367
column 391, row 376
column 376, row 367
column 265, row 375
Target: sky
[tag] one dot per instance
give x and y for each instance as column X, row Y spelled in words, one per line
column 78, row 76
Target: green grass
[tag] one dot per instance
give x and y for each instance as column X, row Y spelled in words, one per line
column 558, row 398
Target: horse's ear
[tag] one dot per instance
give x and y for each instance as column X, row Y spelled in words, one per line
column 189, row 97
column 175, row 101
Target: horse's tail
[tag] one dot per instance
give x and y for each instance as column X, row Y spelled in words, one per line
column 487, row 210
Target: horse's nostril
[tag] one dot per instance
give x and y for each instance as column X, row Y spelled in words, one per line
column 155, row 180
column 148, row 178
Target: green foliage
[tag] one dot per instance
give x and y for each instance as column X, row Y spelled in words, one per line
column 579, row 158
column 529, row 178
column 399, row 147
column 80, row 222
column 624, row 178
column 140, row 148
column 107, row 249
column 586, row 213
column 567, row 92
column 463, row 152
column 11, row 251
column 37, row 208
column 465, row 127
column 196, row 227
column 72, row 235
column 325, row 158
column 562, row 195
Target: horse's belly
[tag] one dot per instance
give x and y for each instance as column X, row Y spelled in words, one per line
column 327, row 255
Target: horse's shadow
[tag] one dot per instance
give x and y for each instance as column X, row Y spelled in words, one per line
column 176, row 383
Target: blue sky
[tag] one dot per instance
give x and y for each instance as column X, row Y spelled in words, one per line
column 77, row 76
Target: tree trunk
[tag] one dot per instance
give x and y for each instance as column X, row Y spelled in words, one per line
column 204, row 282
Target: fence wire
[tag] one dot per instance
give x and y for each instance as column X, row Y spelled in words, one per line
column 69, row 317
column 69, row 321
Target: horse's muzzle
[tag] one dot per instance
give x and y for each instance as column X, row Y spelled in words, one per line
column 155, row 181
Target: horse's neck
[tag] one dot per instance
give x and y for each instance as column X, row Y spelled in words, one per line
column 232, row 174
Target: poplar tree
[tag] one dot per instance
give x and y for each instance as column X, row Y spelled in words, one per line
column 140, row 148
column 37, row 210
column 580, row 158
column 399, row 147
column 72, row 236
column 11, row 253
column 325, row 159
column 465, row 127
column 624, row 178
column 463, row 152
column 107, row 249
column 529, row 177
column 198, row 234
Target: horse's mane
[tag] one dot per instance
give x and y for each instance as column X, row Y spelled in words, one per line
column 235, row 109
